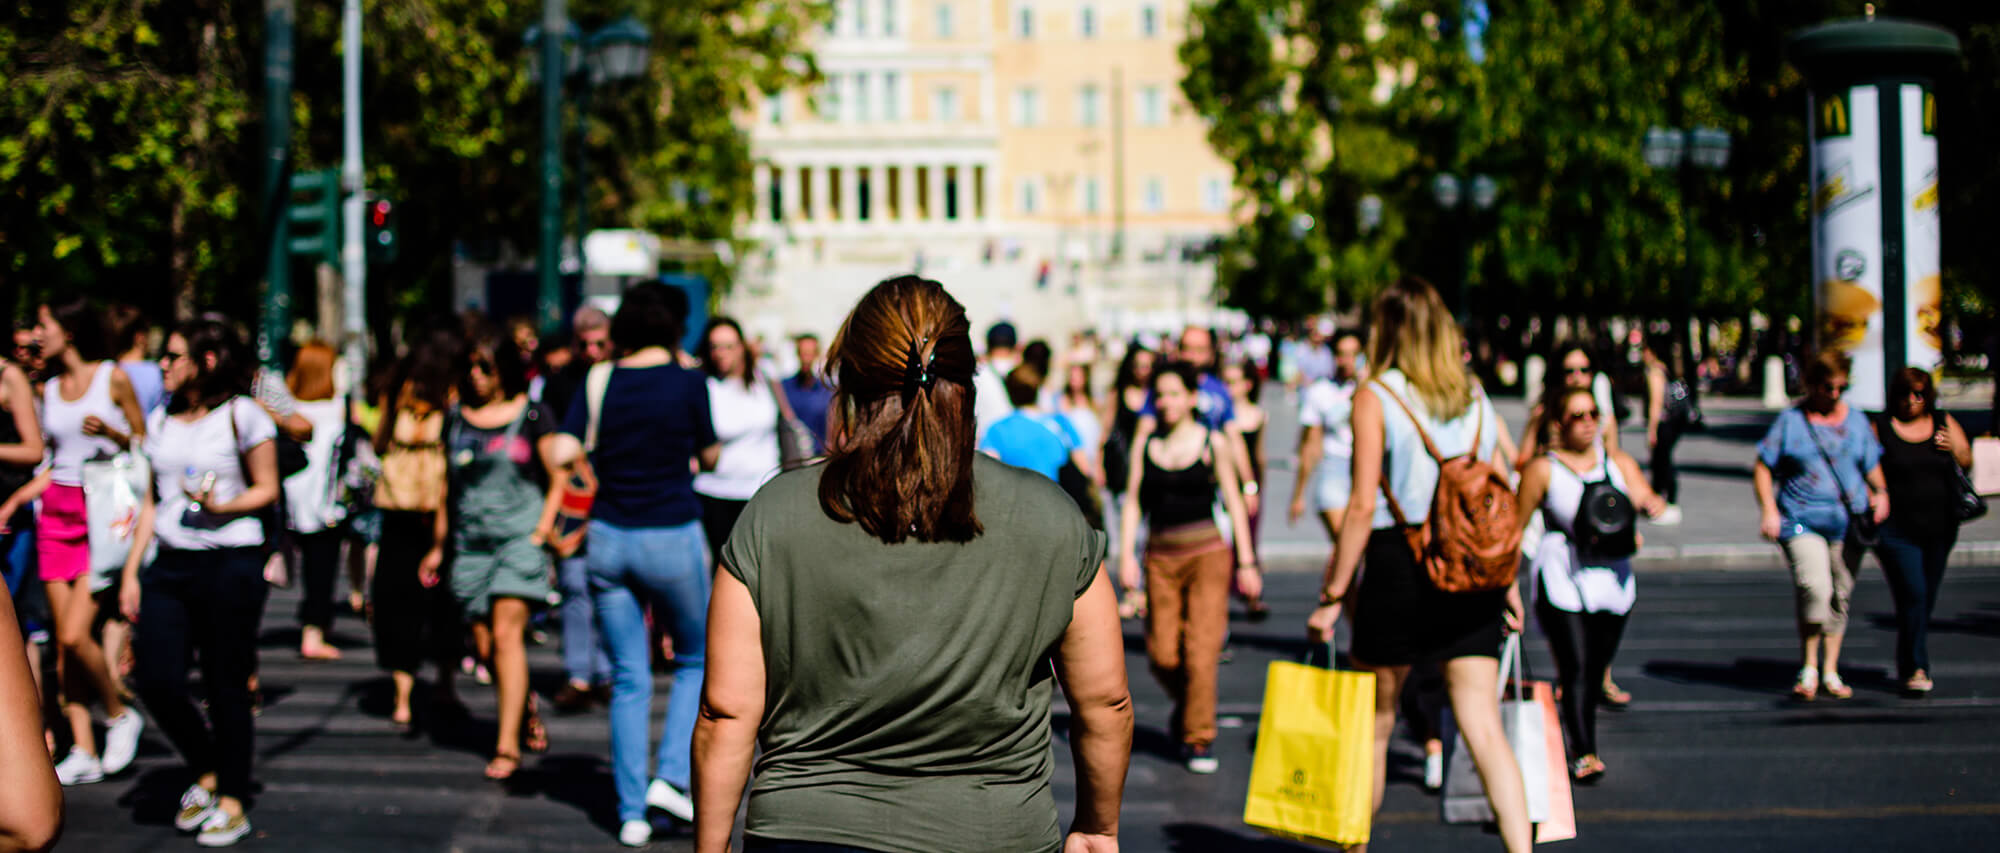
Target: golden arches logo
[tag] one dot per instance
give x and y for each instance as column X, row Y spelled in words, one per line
column 1930, row 114
column 1833, row 116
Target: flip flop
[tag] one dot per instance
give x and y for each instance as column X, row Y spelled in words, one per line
column 503, row 766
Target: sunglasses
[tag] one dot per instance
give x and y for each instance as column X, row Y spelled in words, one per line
column 169, row 357
column 1586, row 414
column 1835, row 389
column 1575, row 370
column 483, row 366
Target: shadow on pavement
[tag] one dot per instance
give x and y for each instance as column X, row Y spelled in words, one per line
column 1196, row 838
column 582, row 782
column 1729, row 472
column 1755, row 675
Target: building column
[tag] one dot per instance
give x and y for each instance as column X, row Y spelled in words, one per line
column 906, row 192
column 850, row 193
column 973, row 188
column 822, row 194
column 788, row 178
column 760, row 191
column 936, row 191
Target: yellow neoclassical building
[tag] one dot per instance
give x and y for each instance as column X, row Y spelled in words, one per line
column 1034, row 155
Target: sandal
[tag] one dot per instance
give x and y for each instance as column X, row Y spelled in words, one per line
column 1807, row 687
column 1835, row 687
column 1586, row 770
column 503, row 766
column 534, row 735
column 1919, row 684
column 1133, row 606
column 405, row 726
column 1615, row 698
column 319, row 653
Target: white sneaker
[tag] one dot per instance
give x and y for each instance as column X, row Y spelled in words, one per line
column 79, row 768
column 221, row 830
column 635, row 833
column 121, row 740
column 1433, row 771
column 197, row 806
column 670, row 799
column 1670, row 517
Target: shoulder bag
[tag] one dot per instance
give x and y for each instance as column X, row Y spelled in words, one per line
column 795, row 439
column 1861, row 526
column 1969, row 505
column 576, row 493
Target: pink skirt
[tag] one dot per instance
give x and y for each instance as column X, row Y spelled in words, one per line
column 62, row 535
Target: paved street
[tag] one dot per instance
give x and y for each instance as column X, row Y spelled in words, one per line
column 1711, row 756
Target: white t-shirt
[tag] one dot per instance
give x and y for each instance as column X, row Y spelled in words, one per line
column 1412, row 473
column 1329, row 405
column 184, row 453
column 746, row 423
column 306, row 491
column 1572, row 584
column 990, row 403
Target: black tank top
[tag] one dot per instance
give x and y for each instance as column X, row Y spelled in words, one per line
column 1923, row 491
column 1173, row 497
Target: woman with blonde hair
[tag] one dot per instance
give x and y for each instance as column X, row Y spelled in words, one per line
column 1400, row 618
column 884, row 624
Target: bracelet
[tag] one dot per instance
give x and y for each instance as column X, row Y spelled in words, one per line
column 1328, row 600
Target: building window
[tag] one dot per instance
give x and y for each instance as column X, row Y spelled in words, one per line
column 774, row 108
column 892, row 96
column 1024, row 21
column 1027, row 107
column 1149, row 21
column 829, row 98
column 947, row 104
column 1030, row 197
column 1092, row 196
column 1152, row 106
column 777, row 194
column 1214, row 195
column 1155, row 200
column 944, row 20
column 1086, row 22
column 861, row 99
column 1088, row 105
column 889, row 17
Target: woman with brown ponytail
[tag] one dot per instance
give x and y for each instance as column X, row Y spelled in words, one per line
column 881, row 623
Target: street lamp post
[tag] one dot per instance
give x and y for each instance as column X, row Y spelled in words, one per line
column 1467, row 199
column 1688, row 151
column 619, row 51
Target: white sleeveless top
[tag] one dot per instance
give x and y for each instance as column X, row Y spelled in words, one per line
column 1561, row 574
column 1411, row 472
column 62, row 424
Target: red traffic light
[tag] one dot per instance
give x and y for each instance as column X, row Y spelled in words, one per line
column 378, row 213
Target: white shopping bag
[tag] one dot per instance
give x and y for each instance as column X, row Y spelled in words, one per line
column 1464, row 798
column 111, row 498
column 1986, row 465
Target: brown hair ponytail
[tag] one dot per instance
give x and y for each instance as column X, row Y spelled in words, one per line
column 900, row 460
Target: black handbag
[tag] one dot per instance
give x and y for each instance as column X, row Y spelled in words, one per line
column 1861, row 526
column 1683, row 408
column 1606, row 526
column 1969, row 505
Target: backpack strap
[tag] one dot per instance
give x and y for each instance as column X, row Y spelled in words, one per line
column 1395, row 508
column 595, row 384
column 1429, row 447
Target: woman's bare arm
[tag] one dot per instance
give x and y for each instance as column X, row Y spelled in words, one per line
column 20, row 400
column 31, row 801
column 1090, row 664
column 732, row 707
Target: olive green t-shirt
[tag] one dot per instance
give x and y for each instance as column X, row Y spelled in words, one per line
column 907, row 686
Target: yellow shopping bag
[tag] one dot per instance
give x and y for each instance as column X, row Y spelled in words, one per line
column 1314, row 775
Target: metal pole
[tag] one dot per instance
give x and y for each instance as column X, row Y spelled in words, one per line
column 277, row 183
column 353, row 253
column 554, row 28
column 582, row 182
column 1684, row 317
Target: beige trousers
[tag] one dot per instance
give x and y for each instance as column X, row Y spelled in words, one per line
column 1823, row 580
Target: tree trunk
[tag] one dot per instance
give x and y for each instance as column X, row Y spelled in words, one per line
column 180, row 263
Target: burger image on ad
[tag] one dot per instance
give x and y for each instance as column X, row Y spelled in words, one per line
column 1927, row 294
column 1844, row 312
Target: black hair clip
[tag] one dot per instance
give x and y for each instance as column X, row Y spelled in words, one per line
column 918, row 370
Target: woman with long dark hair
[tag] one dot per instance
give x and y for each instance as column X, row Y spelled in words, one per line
column 89, row 412
column 1123, row 409
column 1921, row 445
column 215, row 467
column 650, row 428
column 414, row 616
column 883, row 625
column 745, row 409
column 497, row 440
column 1400, row 618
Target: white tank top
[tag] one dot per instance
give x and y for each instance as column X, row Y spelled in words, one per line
column 1410, row 471
column 62, row 424
column 1571, row 585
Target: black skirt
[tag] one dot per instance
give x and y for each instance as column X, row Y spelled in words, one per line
column 1401, row 619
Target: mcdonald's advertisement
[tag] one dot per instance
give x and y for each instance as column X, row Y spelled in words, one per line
column 1847, row 234
column 1921, row 228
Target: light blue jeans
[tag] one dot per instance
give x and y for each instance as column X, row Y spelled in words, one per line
column 584, row 659
column 666, row 568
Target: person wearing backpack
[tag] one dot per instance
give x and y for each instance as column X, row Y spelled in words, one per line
column 1432, row 513
column 1582, row 573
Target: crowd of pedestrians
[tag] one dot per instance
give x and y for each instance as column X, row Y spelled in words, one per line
column 852, row 571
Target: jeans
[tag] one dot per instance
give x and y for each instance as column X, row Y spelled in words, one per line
column 206, row 605
column 666, row 568
column 1914, row 566
column 584, row 660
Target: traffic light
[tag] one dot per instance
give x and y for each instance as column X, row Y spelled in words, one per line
column 381, row 231
column 314, row 214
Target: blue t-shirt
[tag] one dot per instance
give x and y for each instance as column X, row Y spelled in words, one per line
column 1810, row 493
column 147, row 384
column 809, row 403
column 655, row 420
column 1213, row 406
column 1037, row 442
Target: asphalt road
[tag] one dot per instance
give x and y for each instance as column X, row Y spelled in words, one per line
column 1711, row 756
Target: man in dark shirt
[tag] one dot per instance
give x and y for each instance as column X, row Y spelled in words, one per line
column 808, row 392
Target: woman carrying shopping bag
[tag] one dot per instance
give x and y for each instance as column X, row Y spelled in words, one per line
column 1421, row 414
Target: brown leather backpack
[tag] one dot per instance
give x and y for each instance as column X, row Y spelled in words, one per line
column 1472, row 540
